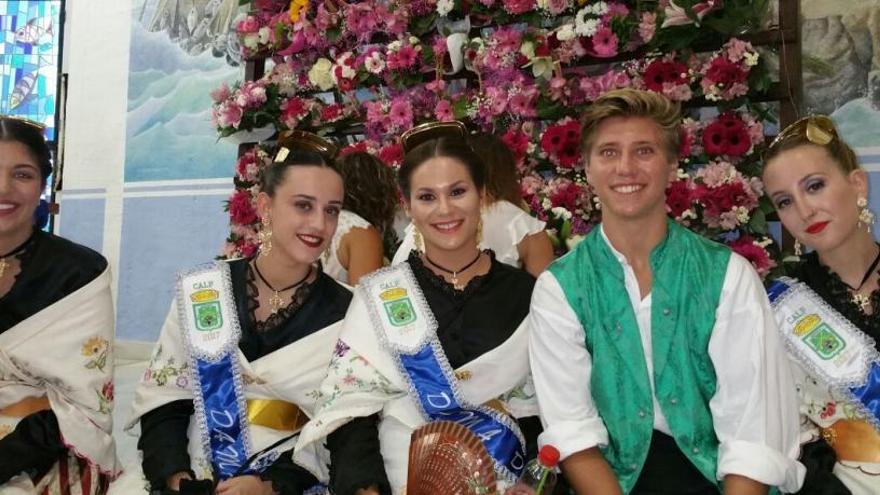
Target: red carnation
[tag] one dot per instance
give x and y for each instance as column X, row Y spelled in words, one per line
column 553, row 139
column 518, row 142
column 392, row 154
column 721, row 70
column 567, row 196
column 678, row 197
column 241, row 210
column 659, row 72
column 759, row 258
column 722, row 198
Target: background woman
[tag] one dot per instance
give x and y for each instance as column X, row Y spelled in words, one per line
column 441, row 297
column 517, row 238
column 56, row 337
column 282, row 326
column 365, row 222
column 820, row 193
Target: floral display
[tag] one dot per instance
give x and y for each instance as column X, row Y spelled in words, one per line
column 524, row 70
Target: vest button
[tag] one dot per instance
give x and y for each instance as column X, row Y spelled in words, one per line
column 641, row 414
column 666, row 311
column 695, row 450
column 618, row 327
column 673, row 401
column 633, row 467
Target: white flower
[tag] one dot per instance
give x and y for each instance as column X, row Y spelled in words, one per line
column 584, row 26
column 574, row 240
column 546, row 204
column 543, row 4
column 561, row 212
column 251, row 41
column 528, row 49
column 413, row 41
column 742, row 214
column 374, row 63
column 444, row 7
column 689, row 213
column 319, row 74
column 565, row 32
column 264, row 34
column 600, row 8
column 751, row 58
column 394, row 46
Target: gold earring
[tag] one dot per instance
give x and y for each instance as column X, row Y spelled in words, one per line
column 866, row 216
column 418, row 241
column 265, row 236
column 798, row 249
column 480, row 232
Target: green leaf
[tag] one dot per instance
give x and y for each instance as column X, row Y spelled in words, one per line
column 758, row 222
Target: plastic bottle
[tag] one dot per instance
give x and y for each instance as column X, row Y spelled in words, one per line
column 539, row 475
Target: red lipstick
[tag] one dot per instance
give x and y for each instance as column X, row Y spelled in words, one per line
column 817, row 227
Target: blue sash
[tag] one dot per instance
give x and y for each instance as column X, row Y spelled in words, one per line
column 828, row 345
column 407, row 328
column 211, row 332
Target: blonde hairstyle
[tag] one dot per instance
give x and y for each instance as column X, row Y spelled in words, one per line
column 634, row 103
column 816, row 130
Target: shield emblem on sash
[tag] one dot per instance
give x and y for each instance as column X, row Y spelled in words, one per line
column 208, row 316
column 400, row 312
column 825, row 342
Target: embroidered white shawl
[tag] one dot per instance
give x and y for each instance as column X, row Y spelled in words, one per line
column 65, row 352
column 363, row 379
column 292, row 374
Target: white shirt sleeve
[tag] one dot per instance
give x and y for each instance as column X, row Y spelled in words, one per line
column 561, row 367
column 755, row 408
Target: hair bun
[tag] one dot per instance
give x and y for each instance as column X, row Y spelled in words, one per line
column 423, row 133
column 303, row 140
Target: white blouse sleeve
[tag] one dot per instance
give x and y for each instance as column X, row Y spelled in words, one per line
column 754, row 409
column 561, row 367
column 407, row 245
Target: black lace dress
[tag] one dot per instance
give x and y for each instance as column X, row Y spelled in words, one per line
column 51, row 269
column 313, row 307
column 818, row 456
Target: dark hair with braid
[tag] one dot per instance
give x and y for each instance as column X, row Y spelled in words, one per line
column 370, row 190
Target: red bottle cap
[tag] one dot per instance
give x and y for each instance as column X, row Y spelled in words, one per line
column 548, row 456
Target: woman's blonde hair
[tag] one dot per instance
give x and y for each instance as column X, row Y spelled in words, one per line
column 818, row 130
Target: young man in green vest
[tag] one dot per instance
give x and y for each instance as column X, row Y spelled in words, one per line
column 656, row 359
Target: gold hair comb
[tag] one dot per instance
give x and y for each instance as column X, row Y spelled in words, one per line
column 302, row 140
column 423, row 133
column 818, row 129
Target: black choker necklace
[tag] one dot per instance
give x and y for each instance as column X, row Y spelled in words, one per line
column 3, row 259
column 455, row 284
column 861, row 300
column 275, row 301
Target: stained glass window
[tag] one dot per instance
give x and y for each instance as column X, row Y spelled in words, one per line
column 29, row 59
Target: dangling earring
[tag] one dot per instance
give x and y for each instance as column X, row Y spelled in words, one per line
column 866, row 216
column 418, row 241
column 265, row 236
column 798, row 249
column 480, row 232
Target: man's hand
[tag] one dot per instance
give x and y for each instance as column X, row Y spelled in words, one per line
column 245, row 485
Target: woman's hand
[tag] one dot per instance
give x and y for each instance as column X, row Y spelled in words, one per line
column 245, row 485
column 173, row 481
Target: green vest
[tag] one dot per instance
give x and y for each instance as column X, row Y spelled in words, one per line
column 688, row 273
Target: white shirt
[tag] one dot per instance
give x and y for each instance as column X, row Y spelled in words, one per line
column 754, row 409
column 330, row 259
column 505, row 225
